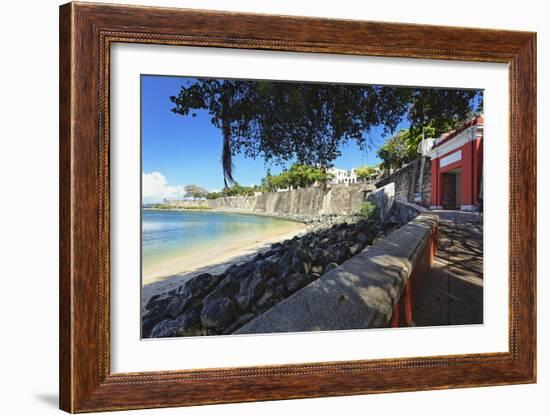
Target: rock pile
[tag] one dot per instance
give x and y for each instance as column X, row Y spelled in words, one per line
column 220, row 304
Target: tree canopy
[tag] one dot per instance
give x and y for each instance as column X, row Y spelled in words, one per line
column 234, row 190
column 309, row 122
column 366, row 172
column 195, row 191
column 298, row 176
column 402, row 147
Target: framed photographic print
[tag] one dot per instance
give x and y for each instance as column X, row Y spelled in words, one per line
column 261, row 207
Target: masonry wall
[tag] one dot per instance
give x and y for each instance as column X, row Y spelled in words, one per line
column 339, row 199
column 407, row 183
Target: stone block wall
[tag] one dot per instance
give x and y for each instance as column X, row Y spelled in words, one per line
column 338, row 200
column 383, row 198
column 406, row 181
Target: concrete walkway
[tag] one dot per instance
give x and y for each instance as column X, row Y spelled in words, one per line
column 453, row 290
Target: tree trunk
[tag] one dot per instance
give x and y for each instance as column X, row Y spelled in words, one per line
column 227, row 160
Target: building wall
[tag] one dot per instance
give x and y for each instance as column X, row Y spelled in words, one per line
column 342, row 176
column 470, row 166
column 461, row 150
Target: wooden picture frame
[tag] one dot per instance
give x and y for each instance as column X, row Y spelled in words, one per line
column 86, row 33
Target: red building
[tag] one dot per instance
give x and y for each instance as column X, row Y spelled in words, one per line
column 457, row 166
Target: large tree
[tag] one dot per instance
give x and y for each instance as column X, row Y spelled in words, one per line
column 307, row 123
column 402, row 147
column 297, row 176
column 366, row 172
column 195, row 191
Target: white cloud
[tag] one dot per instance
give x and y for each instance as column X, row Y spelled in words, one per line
column 154, row 188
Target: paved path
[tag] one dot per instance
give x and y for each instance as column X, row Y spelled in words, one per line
column 453, row 290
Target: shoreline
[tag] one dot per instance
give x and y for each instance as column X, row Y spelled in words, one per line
column 221, row 302
column 283, row 217
column 160, row 277
column 171, row 282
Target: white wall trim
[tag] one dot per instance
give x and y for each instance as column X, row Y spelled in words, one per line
column 451, row 158
column 469, row 134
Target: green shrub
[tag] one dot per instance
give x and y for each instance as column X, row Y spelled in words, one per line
column 196, row 207
column 368, row 210
column 161, row 206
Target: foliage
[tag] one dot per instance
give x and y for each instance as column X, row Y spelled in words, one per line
column 308, row 123
column 163, row 206
column 235, row 190
column 214, row 195
column 160, row 206
column 402, row 147
column 441, row 109
column 298, row 176
column 198, row 207
column 366, row 172
column 268, row 183
column 367, row 210
column 195, row 192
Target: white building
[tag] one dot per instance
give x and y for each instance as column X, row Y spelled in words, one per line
column 341, row 176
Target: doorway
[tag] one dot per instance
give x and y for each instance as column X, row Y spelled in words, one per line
column 451, row 190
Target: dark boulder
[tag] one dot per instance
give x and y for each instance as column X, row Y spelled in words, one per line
column 150, row 319
column 158, row 300
column 297, row 281
column 277, row 246
column 286, row 259
column 229, row 270
column 192, row 292
column 285, row 272
column 324, row 243
column 218, row 314
column 273, row 294
column 166, row 328
column 200, row 285
column 176, row 306
column 189, row 323
column 254, row 285
column 319, row 258
column 361, row 238
column 229, row 286
column 269, row 254
column 336, row 253
column 299, row 265
column 241, row 272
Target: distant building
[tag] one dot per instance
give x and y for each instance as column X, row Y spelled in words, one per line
column 457, row 167
column 341, row 176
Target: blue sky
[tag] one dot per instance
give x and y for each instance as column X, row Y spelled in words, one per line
column 187, row 150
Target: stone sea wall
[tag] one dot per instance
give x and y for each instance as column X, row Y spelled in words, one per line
column 338, row 200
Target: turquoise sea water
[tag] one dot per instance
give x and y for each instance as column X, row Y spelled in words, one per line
column 167, row 234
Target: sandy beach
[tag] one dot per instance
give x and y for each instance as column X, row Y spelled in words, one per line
column 216, row 257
